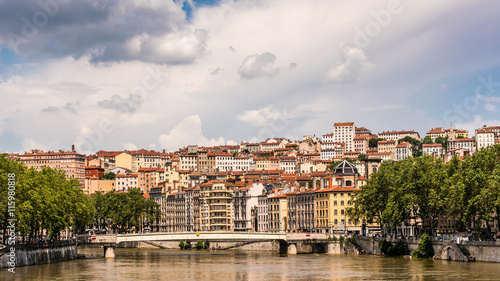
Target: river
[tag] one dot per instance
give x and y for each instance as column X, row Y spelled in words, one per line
column 156, row 264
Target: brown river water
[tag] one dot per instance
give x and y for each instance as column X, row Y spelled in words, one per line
column 157, row 264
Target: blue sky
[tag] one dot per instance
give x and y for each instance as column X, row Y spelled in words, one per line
column 163, row 74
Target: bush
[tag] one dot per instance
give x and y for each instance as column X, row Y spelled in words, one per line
column 353, row 240
column 206, row 244
column 182, row 245
column 341, row 239
column 424, row 249
column 188, row 245
column 199, row 245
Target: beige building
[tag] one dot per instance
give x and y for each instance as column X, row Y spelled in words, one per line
column 396, row 135
column 216, row 205
column 127, row 160
column 93, row 184
column 72, row 163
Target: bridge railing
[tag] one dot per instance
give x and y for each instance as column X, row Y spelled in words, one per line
column 201, row 236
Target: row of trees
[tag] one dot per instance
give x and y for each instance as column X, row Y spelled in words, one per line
column 45, row 201
column 418, row 191
column 124, row 212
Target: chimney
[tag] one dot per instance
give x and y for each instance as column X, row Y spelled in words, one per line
column 73, row 148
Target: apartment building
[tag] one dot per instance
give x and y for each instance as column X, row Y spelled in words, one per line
column 125, row 182
column 485, row 138
column 433, row 149
column 72, row 163
column 396, row 135
column 277, row 208
column 360, row 144
column 216, row 205
column 344, row 133
column 244, row 200
column 403, row 150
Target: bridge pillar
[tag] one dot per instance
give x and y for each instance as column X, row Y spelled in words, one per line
column 109, row 251
column 292, row 249
column 333, row 249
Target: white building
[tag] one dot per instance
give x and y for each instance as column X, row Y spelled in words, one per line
column 433, row 149
column 242, row 163
column 485, row 138
column 244, row 200
column 223, row 161
column 403, row 151
column 188, row 162
column 125, row 182
column 288, row 164
column 344, row 133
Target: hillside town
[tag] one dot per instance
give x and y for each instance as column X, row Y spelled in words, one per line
column 272, row 186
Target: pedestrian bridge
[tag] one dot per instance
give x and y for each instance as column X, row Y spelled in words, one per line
column 210, row 236
column 285, row 239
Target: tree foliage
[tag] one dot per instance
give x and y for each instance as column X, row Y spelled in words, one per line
column 373, row 143
column 124, row 212
column 45, row 201
column 420, row 190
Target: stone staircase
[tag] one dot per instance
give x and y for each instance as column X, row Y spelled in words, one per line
column 459, row 252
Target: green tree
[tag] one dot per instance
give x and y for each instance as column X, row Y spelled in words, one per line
column 362, row 157
column 373, row 143
column 108, row 176
column 424, row 249
column 427, row 140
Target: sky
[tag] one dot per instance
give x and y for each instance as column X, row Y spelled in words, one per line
column 133, row 74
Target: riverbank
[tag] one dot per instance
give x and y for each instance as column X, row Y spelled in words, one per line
column 24, row 255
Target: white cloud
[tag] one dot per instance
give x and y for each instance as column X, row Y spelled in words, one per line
column 356, row 63
column 476, row 124
column 29, row 144
column 258, row 65
column 260, row 117
column 129, row 146
column 188, row 131
column 489, row 107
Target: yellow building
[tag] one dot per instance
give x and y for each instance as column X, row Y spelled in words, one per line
column 262, row 164
column 331, row 205
column 277, row 209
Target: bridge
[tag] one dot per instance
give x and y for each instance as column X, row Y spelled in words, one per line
column 289, row 242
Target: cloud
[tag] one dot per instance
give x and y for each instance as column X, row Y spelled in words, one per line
column 50, row 109
column 129, row 146
column 489, row 107
column 125, row 105
column 103, row 31
column 258, row 65
column 260, row 117
column 356, row 63
column 383, row 107
column 29, row 144
column 188, row 131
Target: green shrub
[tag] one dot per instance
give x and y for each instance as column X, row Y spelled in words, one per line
column 199, row 245
column 182, row 245
column 188, row 244
column 424, row 249
column 206, row 244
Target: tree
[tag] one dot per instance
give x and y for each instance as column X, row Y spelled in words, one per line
column 362, row 157
column 443, row 141
column 373, row 143
column 108, row 176
column 427, row 140
column 424, row 249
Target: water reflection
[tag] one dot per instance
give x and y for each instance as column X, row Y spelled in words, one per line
column 148, row 264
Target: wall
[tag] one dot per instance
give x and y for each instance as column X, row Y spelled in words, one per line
column 481, row 251
column 40, row 256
